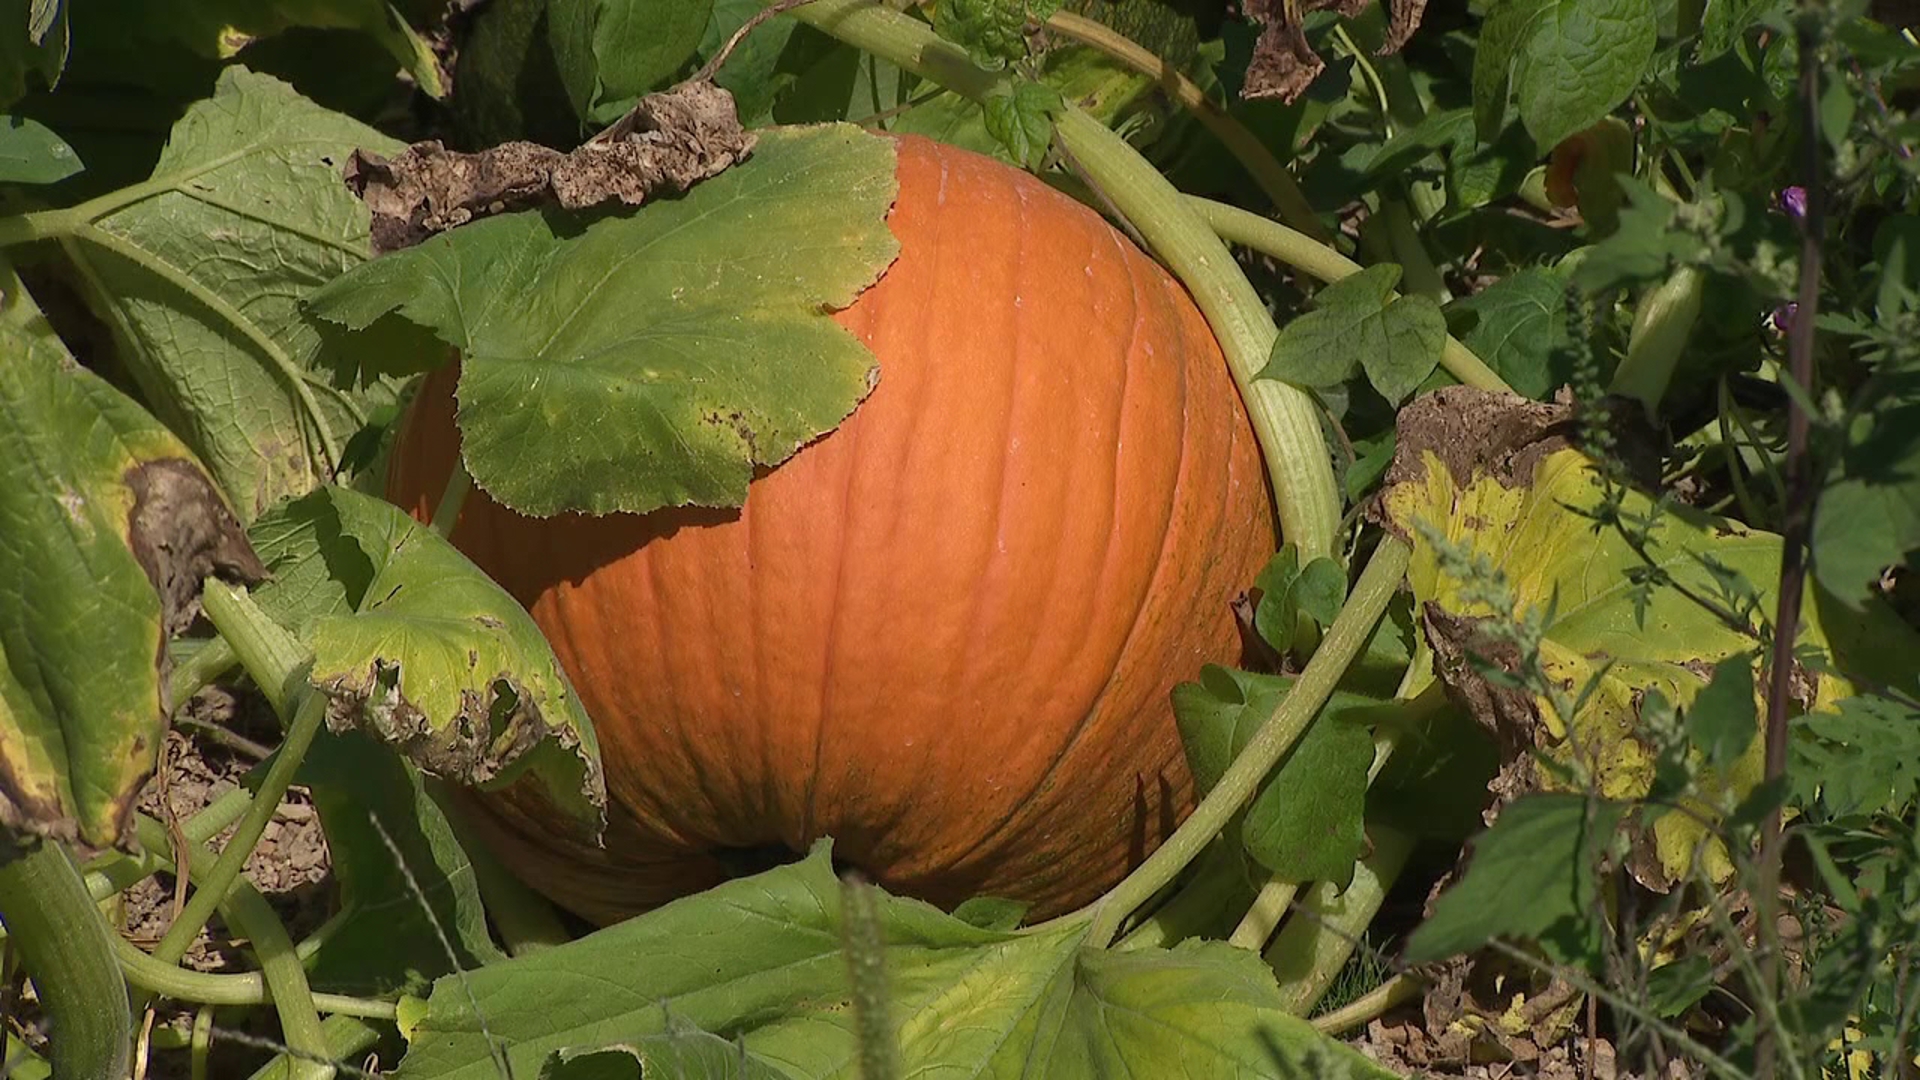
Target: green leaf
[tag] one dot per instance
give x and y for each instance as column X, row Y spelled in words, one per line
column 107, row 528
column 752, row 74
column 992, row 31
column 1868, row 517
column 991, row 912
column 1570, row 62
column 1520, row 329
column 681, row 1050
column 221, row 28
column 1863, row 758
column 1644, row 246
column 37, row 44
column 419, row 648
column 407, row 890
column 610, row 52
column 1721, row 721
column 1021, row 118
column 1725, row 22
column 1532, row 877
column 686, row 336
column 201, row 271
column 30, row 153
column 1679, row 985
column 1617, row 619
column 1357, row 322
column 1321, row 590
column 1276, row 618
column 1305, row 823
column 759, row 959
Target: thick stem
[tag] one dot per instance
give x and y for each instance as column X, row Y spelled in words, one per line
column 1200, row 905
column 1317, row 941
column 1285, row 418
column 1264, row 915
column 1244, row 145
column 346, row 1037
column 1417, row 272
column 1237, row 226
column 248, row 913
column 446, row 513
column 201, row 667
column 1345, row 639
column 68, row 950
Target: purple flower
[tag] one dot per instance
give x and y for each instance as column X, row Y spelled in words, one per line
column 1793, row 201
column 1781, row 320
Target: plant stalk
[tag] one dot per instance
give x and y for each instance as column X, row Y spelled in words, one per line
column 1246, row 147
column 68, row 950
column 280, row 966
column 1802, row 491
column 245, row 988
column 1285, row 418
column 271, row 657
column 1317, row 941
column 1296, row 712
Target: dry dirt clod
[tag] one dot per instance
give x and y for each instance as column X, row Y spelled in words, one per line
column 669, row 142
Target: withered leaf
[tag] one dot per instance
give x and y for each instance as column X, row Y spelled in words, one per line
column 668, row 143
column 1284, row 65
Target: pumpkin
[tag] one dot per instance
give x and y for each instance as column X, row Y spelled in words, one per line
column 945, row 633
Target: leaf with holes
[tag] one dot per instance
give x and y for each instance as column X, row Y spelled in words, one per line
column 687, row 336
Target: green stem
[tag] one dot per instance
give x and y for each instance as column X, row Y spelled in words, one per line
column 68, row 950
column 346, row 1037
column 1200, row 905
column 1418, row 274
column 1376, row 1003
column 248, row 913
column 266, row 650
column 198, row 670
column 246, row 988
column 446, row 512
column 274, row 658
column 1263, row 917
column 1315, row 944
column 1237, row 226
column 1285, row 418
column 1253, row 155
column 1345, row 639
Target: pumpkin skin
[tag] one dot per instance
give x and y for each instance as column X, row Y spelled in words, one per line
column 943, row 634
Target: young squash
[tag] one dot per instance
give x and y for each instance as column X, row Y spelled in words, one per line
column 945, row 633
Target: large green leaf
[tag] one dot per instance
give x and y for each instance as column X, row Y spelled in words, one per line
column 692, row 338
column 759, row 960
column 200, row 271
column 419, row 648
column 609, row 52
column 410, row 905
column 107, row 528
column 1570, row 62
column 1491, row 477
column 223, row 27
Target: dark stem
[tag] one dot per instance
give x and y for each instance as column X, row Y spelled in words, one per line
column 1801, row 493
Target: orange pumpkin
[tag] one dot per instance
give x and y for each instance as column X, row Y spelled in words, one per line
column 945, row 633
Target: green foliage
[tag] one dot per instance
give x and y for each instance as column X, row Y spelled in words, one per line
column 1020, row 117
column 992, row 31
column 689, row 330
column 1305, row 823
column 759, row 958
column 30, row 153
column 432, row 657
column 1518, row 325
column 610, row 52
column 1533, row 876
column 1358, row 323
column 86, row 585
column 1568, row 61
